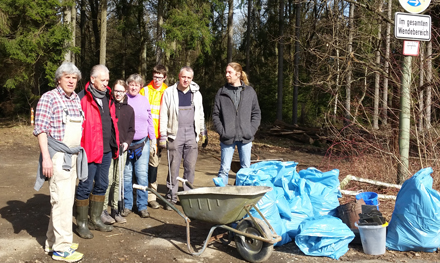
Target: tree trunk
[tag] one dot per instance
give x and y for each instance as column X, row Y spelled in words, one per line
column 429, row 87
column 73, row 44
column 103, row 41
column 94, row 12
column 338, row 73
column 349, row 65
column 159, row 23
column 67, row 21
column 377, row 75
column 296, row 62
column 248, row 37
column 143, row 23
column 280, row 61
column 230, row 29
column 361, row 99
column 82, row 26
column 123, row 17
column 387, row 67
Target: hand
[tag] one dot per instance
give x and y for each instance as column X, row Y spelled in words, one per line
column 124, row 146
column 47, row 167
column 153, row 149
column 162, row 143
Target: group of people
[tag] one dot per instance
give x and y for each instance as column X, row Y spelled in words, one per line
column 110, row 137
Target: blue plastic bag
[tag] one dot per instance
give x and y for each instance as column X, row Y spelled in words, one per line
column 268, row 204
column 415, row 223
column 324, row 236
column 322, row 188
column 268, row 207
column 282, row 203
column 300, row 207
column 329, row 178
column 250, row 176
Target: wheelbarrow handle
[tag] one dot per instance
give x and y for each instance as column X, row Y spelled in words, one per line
column 187, row 220
column 145, row 188
column 185, row 181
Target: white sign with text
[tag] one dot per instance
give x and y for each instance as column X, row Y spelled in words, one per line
column 412, row 26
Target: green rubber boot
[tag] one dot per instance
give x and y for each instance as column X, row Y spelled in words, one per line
column 96, row 206
column 82, row 214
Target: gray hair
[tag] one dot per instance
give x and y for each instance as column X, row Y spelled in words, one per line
column 67, row 68
column 135, row 78
column 98, row 68
column 187, row 68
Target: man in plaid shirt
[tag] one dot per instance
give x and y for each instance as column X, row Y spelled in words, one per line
column 58, row 127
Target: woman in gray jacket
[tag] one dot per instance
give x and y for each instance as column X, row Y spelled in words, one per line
column 236, row 117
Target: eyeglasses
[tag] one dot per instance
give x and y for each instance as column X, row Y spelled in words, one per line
column 158, row 78
column 134, row 85
column 119, row 91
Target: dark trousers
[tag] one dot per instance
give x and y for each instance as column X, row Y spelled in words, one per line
column 98, row 173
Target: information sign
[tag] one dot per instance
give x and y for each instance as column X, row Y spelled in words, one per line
column 412, row 26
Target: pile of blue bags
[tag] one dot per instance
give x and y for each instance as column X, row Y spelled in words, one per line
column 302, row 206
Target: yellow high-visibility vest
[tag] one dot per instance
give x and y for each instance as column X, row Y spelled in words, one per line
column 155, row 98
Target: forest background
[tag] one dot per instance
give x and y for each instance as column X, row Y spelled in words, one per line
column 329, row 66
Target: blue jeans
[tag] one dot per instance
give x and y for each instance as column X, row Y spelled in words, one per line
column 98, row 172
column 244, row 151
column 139, row 169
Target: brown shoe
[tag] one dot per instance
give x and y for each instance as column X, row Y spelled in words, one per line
column 106, row 218
column 144, row 213
column 117, row 216
column 154, row 204
column 168, row 207
column 126, row 212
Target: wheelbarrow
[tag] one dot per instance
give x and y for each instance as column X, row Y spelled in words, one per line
column 221, row 206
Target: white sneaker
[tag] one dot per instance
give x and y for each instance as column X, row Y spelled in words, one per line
column 48, row 250
column 68, row 256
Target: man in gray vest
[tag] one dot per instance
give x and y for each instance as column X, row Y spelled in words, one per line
column 182, row 120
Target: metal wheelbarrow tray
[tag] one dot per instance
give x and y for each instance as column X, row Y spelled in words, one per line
column 220, row 205
column 254, row 237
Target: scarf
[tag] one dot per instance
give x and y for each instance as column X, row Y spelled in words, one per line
column 98, row 94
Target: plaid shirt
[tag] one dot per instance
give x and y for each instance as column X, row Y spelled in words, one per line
column 49, row 113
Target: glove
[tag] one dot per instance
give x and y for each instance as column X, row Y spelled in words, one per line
column 205, row 142
column 204, row 138
column 163, row 142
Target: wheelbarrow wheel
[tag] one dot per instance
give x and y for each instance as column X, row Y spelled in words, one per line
column 251, row 249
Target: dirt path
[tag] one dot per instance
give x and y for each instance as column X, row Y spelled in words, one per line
column 161, row 238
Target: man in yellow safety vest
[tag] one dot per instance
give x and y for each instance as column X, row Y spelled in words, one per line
column 154, row 91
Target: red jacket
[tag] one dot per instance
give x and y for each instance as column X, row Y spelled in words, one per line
column 92, row 138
